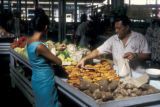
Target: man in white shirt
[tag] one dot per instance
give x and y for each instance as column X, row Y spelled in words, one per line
column 125, row 44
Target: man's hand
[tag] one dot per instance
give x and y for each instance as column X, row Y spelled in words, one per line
column 130, row 55
column 93, row 54
column 81, row 63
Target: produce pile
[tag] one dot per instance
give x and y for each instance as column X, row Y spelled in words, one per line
column 21, row 42
column 98, row 72
column 103, row 84
column 105, row 90
column 19, row 46
column 70, row 56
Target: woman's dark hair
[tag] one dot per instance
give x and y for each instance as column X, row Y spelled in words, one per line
column 40, row 20
column 125, row 20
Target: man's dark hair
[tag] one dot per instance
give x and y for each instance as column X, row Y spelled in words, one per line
column 125, row 20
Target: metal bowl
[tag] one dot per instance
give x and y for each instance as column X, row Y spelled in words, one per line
column 154, row 73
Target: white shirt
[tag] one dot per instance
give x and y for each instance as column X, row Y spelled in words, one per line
column 136, row 43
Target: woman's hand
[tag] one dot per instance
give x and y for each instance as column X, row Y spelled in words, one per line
column 62, row 47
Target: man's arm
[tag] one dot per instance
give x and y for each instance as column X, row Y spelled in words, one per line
column 144, row 51
column 143, row 56
column 92, row 55
column 137, row 56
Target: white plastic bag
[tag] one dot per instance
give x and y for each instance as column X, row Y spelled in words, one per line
column 123, row 68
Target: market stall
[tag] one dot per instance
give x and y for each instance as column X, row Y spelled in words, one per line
column 22, row 81
column 5, row 41
column 4, row 48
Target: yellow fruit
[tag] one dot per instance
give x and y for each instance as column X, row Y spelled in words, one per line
column 69, row 59
column 61, row 56
column 74, row 63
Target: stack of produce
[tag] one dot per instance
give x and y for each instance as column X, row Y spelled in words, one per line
column 20, row 46
column 65, row 57
column 21, row 42
column 95, row 73
column 76, row 52
column 70, row 56
column 22, row 52
column 105, row 90
column 102, row 83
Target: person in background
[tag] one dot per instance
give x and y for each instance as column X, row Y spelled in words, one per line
column 152, row 36
column 124, row 44
column 41, row 60
column 81, row 38
column 5, row 16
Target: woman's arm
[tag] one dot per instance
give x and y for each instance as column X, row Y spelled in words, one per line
column 44, row 51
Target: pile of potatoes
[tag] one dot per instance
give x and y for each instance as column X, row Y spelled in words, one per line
column 105, row 90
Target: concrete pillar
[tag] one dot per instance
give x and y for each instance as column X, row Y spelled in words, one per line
column 117, row 3
column 49, row 9
column 62, row 20
column 19, row 5
column 2, row 4
column 36, row 3
column 9, row 5
column 26, row 9
column 75, row 11
column 52, row 3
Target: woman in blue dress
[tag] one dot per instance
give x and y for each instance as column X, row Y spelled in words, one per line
column 41, row 60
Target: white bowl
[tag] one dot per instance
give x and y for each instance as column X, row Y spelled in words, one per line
column 155, row 73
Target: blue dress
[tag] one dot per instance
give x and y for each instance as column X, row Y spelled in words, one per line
column 43, row 83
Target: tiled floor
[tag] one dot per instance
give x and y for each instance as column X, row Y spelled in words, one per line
column 13, row 96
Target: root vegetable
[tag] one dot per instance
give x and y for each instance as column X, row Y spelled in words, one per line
column 107, row 96
column 130, row 86
column 124, row 92
column 138, row 92
column 133, row 95
column 97, row 94
column 119, row 96
column 93, row 87
column 113, row 85
column 84, row 85
column 88, row 93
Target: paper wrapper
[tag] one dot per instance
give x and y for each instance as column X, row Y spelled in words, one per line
column 137, row 81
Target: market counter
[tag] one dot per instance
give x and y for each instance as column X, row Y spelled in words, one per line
column 83, row 100
column 5, row 44
column 4, row 48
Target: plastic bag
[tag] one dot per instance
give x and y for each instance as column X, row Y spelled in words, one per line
column 123, row 68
